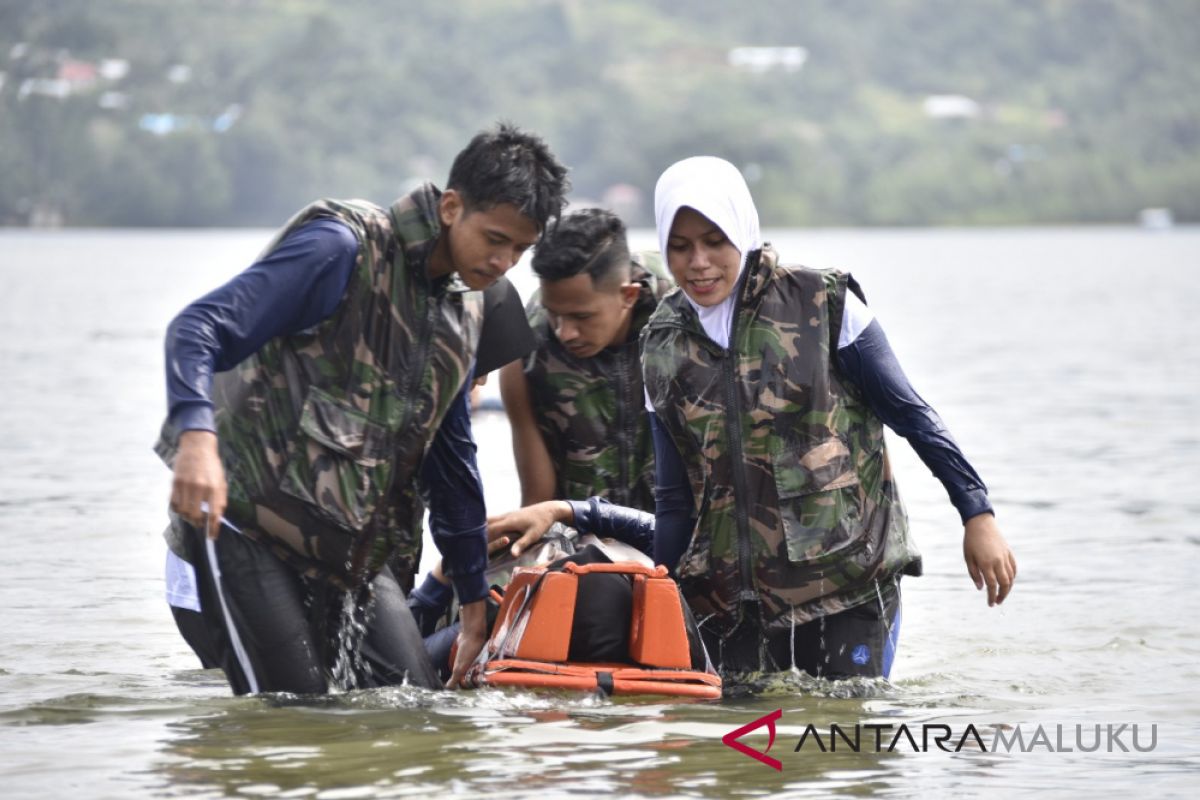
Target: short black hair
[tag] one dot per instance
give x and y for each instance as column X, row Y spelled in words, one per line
column 591, row 240
column 508, row 165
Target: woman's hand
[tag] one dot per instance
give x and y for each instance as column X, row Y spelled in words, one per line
column 989, row 560
column 529, row 523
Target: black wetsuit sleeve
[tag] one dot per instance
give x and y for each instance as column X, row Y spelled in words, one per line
column 457, row 516
column 601, row 518
column 293, row 287
column 674, row 515
column 869, row 363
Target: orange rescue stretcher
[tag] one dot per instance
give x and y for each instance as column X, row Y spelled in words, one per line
column 530, row 639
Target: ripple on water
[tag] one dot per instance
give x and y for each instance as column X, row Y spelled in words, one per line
column 795, row 682
column 84, row 707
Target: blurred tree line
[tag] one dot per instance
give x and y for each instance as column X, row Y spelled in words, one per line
column 237, row 112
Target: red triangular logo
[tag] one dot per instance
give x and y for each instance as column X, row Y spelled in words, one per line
column 732, row 737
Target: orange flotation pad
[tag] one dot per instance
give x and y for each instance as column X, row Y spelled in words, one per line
column 531, row 637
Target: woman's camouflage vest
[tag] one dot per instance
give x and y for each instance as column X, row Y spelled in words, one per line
column 798, row 512
column 591, row 411
column 322, row 433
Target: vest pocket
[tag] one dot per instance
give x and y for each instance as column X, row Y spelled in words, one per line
column 820, row 505
column 340, row 462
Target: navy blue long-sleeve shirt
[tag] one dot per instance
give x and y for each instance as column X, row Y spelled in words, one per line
column 291, row 289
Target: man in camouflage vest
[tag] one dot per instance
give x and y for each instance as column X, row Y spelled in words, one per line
column 310, row 401
column 576, row 403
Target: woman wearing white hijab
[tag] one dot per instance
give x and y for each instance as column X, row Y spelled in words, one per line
column 776, row 506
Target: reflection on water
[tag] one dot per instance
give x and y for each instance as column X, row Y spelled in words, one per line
column 408, row 741
column 1063, row 360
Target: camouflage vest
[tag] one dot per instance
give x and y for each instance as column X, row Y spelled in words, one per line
column 798, row 512
column 322, row 433
column 591, row 411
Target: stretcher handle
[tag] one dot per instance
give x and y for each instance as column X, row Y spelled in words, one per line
column 618, row 567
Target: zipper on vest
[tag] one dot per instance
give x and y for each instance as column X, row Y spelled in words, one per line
column 622, row 488
column 728, row 357
column 359, row 568
column 734, row 426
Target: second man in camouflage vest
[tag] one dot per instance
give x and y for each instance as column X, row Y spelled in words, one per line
column 576, row 402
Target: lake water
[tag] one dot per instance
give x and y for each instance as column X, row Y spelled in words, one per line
column 1066, row 361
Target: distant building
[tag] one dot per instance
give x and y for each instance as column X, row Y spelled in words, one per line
column 79, row 74
column 163, row 124
column 767, row 59
column 113, row 69
column 44, row 87
column 950, row 106
column 70, row 76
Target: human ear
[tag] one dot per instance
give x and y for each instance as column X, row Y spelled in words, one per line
column 629, row 294
column 450, row 207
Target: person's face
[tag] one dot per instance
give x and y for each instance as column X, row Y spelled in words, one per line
column 483, row 245
column 703, row 262
column 585, row 317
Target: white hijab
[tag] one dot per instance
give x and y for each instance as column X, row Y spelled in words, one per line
column 716, row 189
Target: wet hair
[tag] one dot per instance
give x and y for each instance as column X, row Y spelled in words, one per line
column 591, row 241
column 508, row 165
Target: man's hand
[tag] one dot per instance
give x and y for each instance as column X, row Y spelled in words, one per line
column 529, row 523
column 471, row 638
column 199, row 477
column 989, row 560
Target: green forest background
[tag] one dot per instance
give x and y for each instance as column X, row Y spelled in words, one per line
column 237, row 112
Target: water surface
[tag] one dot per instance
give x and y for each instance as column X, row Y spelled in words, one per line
column 1066, row 361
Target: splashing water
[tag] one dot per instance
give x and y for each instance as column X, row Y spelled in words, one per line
column 350, row 670
column 742, row 685
column 887, row 621
column 708, row 664
column 792, row 641
column 821, row 625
